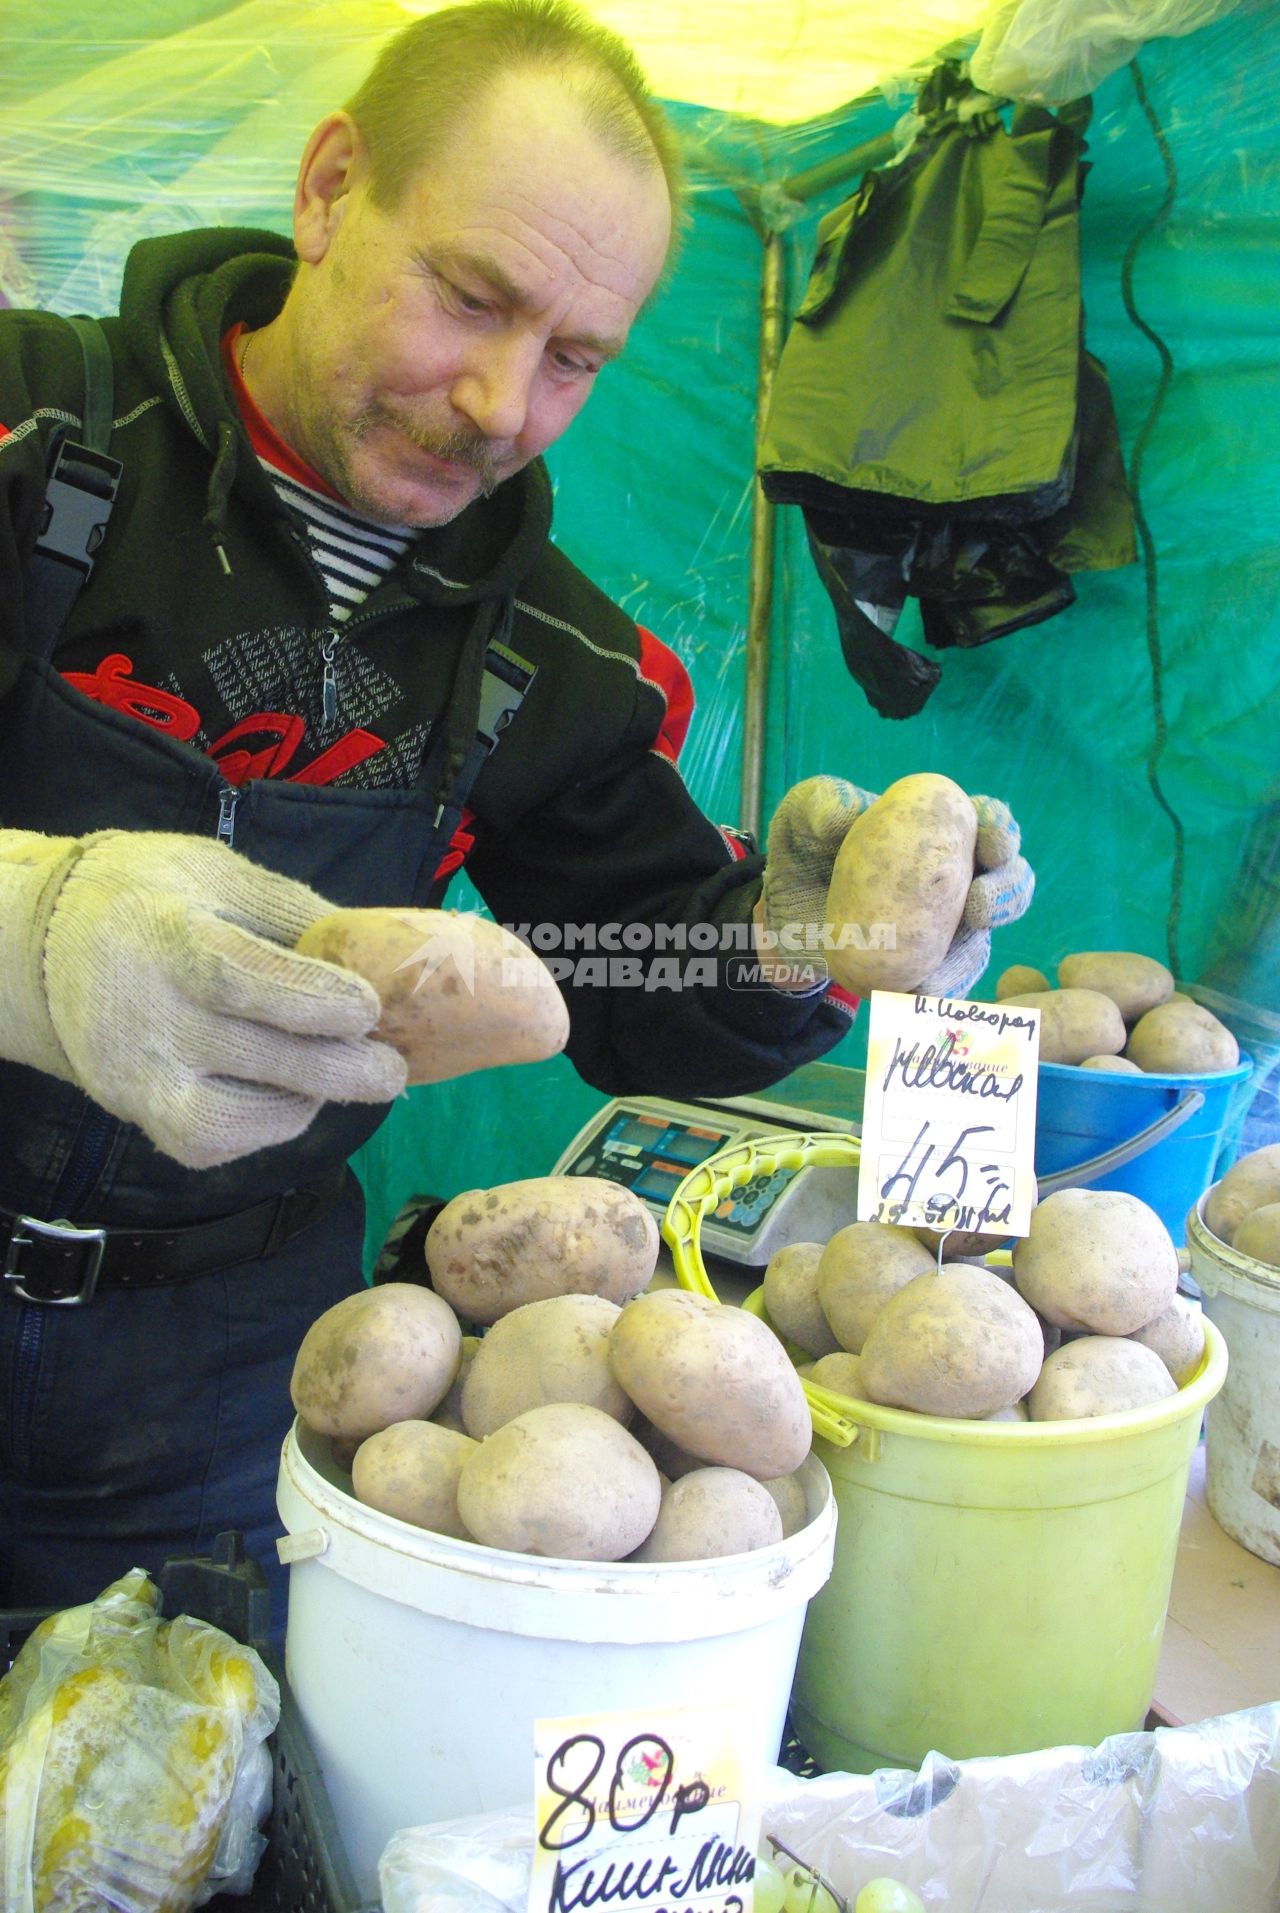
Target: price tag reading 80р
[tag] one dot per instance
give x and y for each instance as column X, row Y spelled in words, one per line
column 650, row 1810
column 949, row 1123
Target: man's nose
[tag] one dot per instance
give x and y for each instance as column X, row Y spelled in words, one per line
column 493, row 389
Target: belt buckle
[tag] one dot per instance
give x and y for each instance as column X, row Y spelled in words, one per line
column 27, row 1230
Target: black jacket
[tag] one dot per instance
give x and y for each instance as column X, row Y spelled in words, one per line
column 579, row 817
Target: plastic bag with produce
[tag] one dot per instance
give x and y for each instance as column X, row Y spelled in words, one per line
column 133, row 1761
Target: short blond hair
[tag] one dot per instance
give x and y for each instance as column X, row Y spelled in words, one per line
column 440, row 67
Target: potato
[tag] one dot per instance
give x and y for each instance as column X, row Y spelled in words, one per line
column 1074, row 1024
column 841, row 1373
column 1177, row 1337
column 1096, row 1259
column 714, row 1379
column 1250, row 1182
column 791, row 1501
column 411, row 1470
column 492, row 1250
column 791, row 1298
column 899, row 885
column 861, row 1267
column 1016, row 1411
column 458, row 992
column 1259, row 1235
column 1118, row 1065
column 378, row 1356
column 1098, row 1375
column 958, row 1342
column 447, row 1412
column 566, row 1481
column 1018, row 980
column 1181, row 1039
column 1134, row 983
column 710, row 1512
column 556, row 1350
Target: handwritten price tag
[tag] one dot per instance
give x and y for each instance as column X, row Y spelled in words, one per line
column 948, row 1129
column 644, row 1811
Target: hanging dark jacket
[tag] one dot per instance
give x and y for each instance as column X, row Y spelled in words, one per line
column 934, row 412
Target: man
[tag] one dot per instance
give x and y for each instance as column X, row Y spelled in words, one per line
column 326, row 652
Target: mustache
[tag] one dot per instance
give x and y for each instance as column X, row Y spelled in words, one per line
column 457, row 446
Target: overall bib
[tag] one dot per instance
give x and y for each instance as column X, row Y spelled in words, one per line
column 141, row 1423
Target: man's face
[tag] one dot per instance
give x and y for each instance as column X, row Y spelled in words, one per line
column 437, row 348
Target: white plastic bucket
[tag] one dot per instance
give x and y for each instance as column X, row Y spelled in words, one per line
column 1242, row 1432
column 420, row 1664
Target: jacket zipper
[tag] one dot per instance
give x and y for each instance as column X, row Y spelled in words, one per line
column 25, row 1369
column 330, row 683
column 228, row 798
column 328, row 650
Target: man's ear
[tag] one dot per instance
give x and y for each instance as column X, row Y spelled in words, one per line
column 334, row 164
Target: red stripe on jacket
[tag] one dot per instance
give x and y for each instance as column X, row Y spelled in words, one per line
column 660, row 665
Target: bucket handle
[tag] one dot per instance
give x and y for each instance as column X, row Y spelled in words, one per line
column 1089, row 1171
column 714, row 1179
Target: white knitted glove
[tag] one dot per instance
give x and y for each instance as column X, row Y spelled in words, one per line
column 156, row 972
column 807, row 830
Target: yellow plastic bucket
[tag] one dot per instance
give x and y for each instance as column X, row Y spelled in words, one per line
column 998, row 1587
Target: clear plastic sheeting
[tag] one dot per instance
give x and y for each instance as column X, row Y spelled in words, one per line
column 1059, row 50
column 778, row 61
column 1182, row 1820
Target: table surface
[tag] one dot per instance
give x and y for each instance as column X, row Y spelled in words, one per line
column 1221, row 1649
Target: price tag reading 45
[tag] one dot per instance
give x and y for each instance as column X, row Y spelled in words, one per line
column 644, row 1811
column 948, row 1130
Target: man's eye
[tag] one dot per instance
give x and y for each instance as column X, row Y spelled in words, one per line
column 472, row 303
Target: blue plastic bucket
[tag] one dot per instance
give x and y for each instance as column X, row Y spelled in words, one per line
column 1155, row 1137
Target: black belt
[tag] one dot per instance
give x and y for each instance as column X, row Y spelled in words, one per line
column 64, row 1263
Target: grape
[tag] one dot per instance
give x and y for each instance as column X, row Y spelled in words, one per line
column 887, row 1896
column 806, row 1893
column 769, row 1886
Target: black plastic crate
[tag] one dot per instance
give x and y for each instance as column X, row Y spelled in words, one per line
column 304, row 1868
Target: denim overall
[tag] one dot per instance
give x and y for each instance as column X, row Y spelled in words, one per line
column 142, row 1423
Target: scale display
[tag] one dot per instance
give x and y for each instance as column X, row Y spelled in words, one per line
column 650, row 1146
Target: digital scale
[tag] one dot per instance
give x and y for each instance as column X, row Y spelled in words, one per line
column 650, row 1144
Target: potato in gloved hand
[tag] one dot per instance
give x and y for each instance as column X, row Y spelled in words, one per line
column 155, row 972
column 924, row 875
column 458, row 992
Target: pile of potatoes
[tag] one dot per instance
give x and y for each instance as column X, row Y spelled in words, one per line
column 1116, row 1010
column 1087, row 1320
column 1243, row 1209
column 585, row 1420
